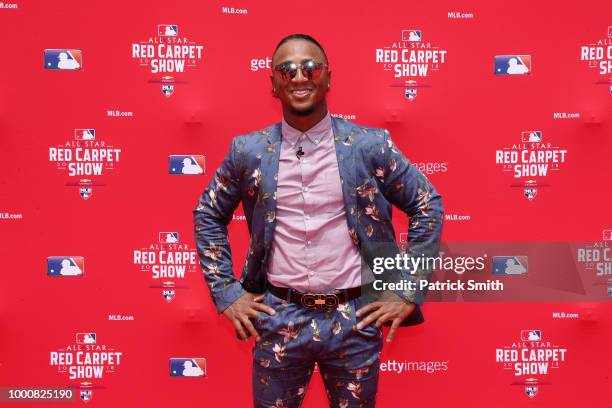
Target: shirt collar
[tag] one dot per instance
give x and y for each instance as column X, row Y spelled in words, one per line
column 315, row 134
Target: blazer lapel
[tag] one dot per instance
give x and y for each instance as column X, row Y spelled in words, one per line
column 269, row 179
column 344, row 138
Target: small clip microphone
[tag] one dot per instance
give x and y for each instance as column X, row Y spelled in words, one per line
column 299, row 153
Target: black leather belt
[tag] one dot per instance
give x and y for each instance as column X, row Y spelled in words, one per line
column 316, row 300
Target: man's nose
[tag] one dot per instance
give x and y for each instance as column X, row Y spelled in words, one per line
column 299, row 77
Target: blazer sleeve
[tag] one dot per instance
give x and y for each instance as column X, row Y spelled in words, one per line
column 211, row 216
column 404, row 186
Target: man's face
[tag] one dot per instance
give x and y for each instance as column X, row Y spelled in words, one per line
column 300, row 94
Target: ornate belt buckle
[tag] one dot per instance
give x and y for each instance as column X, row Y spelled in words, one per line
column 320, row 300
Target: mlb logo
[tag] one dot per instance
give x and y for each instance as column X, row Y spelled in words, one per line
column 192, row 164
column 509, row 265
column 84, row 134
column 530, row 193
column 187, row 367
column 86, row 395
column 86, row 338
column 607, row 235
column 167, row 30
column 403, row 237
column 85, row 192
column 411, row 35
column 168, row 237
column 512, row 64
column 167, row 90
column 65, row 265
column 531, row 136
column 63, row 59
column 85, row 188
column 531, row 390
column 169, row 294
column 410, row 94
column 531, row 335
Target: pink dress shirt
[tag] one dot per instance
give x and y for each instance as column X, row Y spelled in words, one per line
column 311, row 247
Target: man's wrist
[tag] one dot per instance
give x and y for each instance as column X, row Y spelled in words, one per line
column 392, row 296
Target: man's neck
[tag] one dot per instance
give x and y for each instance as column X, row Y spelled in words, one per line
column 303, row 123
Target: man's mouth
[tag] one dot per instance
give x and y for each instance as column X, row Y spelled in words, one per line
column 300, row 93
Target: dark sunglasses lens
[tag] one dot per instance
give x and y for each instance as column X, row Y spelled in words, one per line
column 311, row 69
column 288, row 71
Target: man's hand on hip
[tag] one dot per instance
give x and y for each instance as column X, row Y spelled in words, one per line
column 245, row 307
column 395, row 310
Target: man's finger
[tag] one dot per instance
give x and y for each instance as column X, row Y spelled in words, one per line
column 368, row 319
column 252, row 312
column 382, row 319
column 264, row 308
column 249, row 326
column 367, row 308
column 239, row 329
column 394, row 326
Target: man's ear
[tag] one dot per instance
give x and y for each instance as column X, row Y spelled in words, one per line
column 329, row 74
column 272, row 88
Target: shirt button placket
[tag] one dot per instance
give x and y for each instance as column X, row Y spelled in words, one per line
column 307, row 249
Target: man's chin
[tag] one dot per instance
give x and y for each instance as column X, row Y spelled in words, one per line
column 302, row 111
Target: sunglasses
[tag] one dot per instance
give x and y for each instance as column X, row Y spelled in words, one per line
column 310, row 69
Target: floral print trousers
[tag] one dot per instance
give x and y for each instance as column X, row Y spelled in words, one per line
column 297, row 337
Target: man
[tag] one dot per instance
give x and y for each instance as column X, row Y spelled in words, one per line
column 317, row 193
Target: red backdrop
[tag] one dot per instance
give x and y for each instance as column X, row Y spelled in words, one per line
column 462, row 114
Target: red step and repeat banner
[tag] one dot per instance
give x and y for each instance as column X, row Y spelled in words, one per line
column 115, row 115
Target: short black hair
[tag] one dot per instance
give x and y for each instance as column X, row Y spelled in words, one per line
column 305, row 37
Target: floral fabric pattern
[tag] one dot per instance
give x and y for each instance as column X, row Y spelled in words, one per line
column 296, row 337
